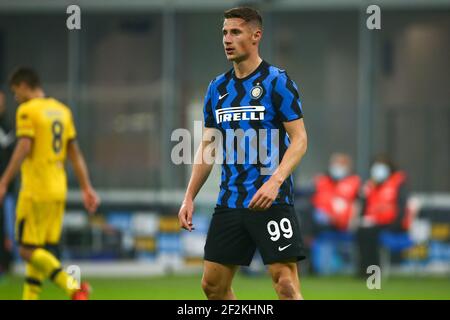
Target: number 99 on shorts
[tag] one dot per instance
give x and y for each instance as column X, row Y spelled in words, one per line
column 276, row 230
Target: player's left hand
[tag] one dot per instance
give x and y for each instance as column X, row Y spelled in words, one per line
column 90, row 200
column 265, row 196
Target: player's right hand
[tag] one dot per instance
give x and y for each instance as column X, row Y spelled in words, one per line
column 185, row 215
column 91, row 200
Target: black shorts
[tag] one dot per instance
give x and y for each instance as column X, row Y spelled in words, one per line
column 235, row 234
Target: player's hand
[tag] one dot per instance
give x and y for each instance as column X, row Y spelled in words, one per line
column 90, row 200
column 265, row 196
column 185, row 215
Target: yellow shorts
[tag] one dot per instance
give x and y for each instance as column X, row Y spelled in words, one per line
column 39, row 223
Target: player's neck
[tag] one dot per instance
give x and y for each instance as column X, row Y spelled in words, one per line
column 36, row 93
column 245, row 67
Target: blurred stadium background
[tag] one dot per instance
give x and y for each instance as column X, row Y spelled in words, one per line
column 138, row 69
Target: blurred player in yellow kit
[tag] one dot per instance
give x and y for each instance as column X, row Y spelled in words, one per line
column 46, row 135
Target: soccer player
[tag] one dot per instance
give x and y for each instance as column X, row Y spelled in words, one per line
column 46, row 134
column 254, row 209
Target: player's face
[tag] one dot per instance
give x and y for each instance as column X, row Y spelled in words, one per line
column 239, row 39
column 20, row 92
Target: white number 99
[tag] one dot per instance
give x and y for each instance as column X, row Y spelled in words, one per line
column 274, row 229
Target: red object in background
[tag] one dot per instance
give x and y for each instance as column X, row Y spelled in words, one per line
column 382, row 200
column 337, row 198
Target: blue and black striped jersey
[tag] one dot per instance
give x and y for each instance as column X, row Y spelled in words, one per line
column 249, row 112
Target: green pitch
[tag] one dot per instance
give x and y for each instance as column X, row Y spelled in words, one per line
column 188, row 287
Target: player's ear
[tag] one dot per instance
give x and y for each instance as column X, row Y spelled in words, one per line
column 257, row 35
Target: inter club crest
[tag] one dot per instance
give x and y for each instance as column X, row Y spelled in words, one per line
column 256, row 91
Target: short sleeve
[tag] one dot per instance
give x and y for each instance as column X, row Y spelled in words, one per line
column 286, row 99
column 24, row 123
column 207, row 109
column 71, row 131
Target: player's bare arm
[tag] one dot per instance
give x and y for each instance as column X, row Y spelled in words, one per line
column 22, row 149
column 264, row 197
column 200, row 172
column 90, row 197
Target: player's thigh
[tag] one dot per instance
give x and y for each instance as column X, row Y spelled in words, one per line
column 276, row 232
column 54, row 228
column 218, row 275
column 30, row 223
column 228, row 242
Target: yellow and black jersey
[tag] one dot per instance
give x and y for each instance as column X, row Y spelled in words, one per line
column 50, row 124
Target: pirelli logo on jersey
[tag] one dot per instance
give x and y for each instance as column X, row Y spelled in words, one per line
column 240, row 113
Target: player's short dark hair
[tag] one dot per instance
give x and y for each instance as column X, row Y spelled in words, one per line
column 245, row 13
column 25, row 75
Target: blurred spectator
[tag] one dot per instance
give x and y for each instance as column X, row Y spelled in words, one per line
column 335, row 194
column 6, row 210
column 333, row 209
column 384, row 209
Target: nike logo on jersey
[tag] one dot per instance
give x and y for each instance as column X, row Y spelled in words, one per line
column 223, row 96
column 240, row 113
column 285, row 247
